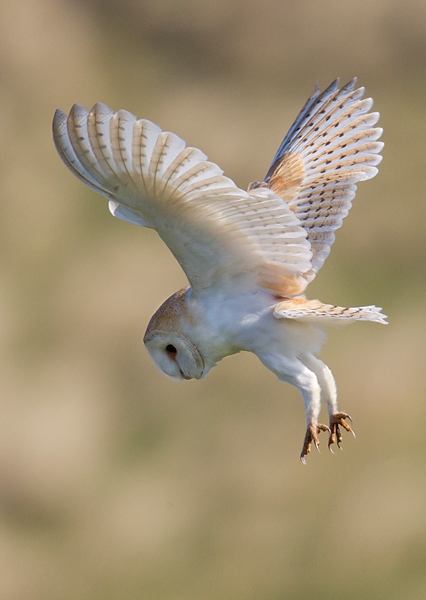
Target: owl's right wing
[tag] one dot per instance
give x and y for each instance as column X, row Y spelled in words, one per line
column 330, row 147
column 218, row 232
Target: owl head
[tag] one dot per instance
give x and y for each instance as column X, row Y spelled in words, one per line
column 167, row 340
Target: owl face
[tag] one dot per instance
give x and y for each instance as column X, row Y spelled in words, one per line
column 175, row 355
column 167, row 339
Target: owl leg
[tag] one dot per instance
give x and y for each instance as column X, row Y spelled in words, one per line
column 308, row 385
column 313, row 429
column 329, row 394
column 294, row 371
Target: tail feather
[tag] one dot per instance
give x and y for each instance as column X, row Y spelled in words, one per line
column 315, row 311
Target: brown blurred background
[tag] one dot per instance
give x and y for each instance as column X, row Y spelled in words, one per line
column 118, row 484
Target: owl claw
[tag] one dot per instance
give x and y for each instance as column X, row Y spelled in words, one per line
column 336, row 421
column 312, row 437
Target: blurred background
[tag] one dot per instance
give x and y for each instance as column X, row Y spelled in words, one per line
column 116, row 483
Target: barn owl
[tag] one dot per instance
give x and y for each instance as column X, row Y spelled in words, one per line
column 248, row 255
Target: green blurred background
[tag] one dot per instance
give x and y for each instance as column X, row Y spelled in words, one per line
column 116, row 483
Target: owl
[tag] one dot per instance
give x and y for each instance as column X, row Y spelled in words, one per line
column 248, row 255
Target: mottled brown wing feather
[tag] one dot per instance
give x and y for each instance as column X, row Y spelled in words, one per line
column 315, row 311
column 330, row 147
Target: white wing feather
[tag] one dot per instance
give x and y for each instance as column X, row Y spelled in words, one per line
column 330, row 147
column 215, row 230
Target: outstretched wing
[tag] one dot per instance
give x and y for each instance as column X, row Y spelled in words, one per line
column 330, row 147
column 216, row 231
column 315, row 311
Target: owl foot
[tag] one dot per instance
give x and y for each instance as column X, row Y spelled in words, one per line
column 312, row 437
column 336, row 421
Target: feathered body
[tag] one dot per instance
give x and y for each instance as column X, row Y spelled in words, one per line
column 248, row 255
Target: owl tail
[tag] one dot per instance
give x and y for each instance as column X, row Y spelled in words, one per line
column 314, row 311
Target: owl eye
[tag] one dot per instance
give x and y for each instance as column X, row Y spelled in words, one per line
column 170, row 349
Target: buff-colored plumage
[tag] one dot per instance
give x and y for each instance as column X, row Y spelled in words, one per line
column 248, row 255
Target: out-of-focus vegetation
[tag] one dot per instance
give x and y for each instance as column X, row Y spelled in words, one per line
column 116, row 483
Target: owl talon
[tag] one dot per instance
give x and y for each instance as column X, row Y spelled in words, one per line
column 312, row 437
column 336, row 421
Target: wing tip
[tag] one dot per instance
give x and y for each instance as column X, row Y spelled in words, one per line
column 334, row 86
column 100, row 110
column 59, row 115
column 59, row 120
column 373, row 313
column 78, row 111
column 350, row 86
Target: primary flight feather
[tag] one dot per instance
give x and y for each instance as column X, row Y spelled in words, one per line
column 248, row 256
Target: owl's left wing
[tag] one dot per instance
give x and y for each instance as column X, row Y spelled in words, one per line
column 330, row 147
column 216, row 231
